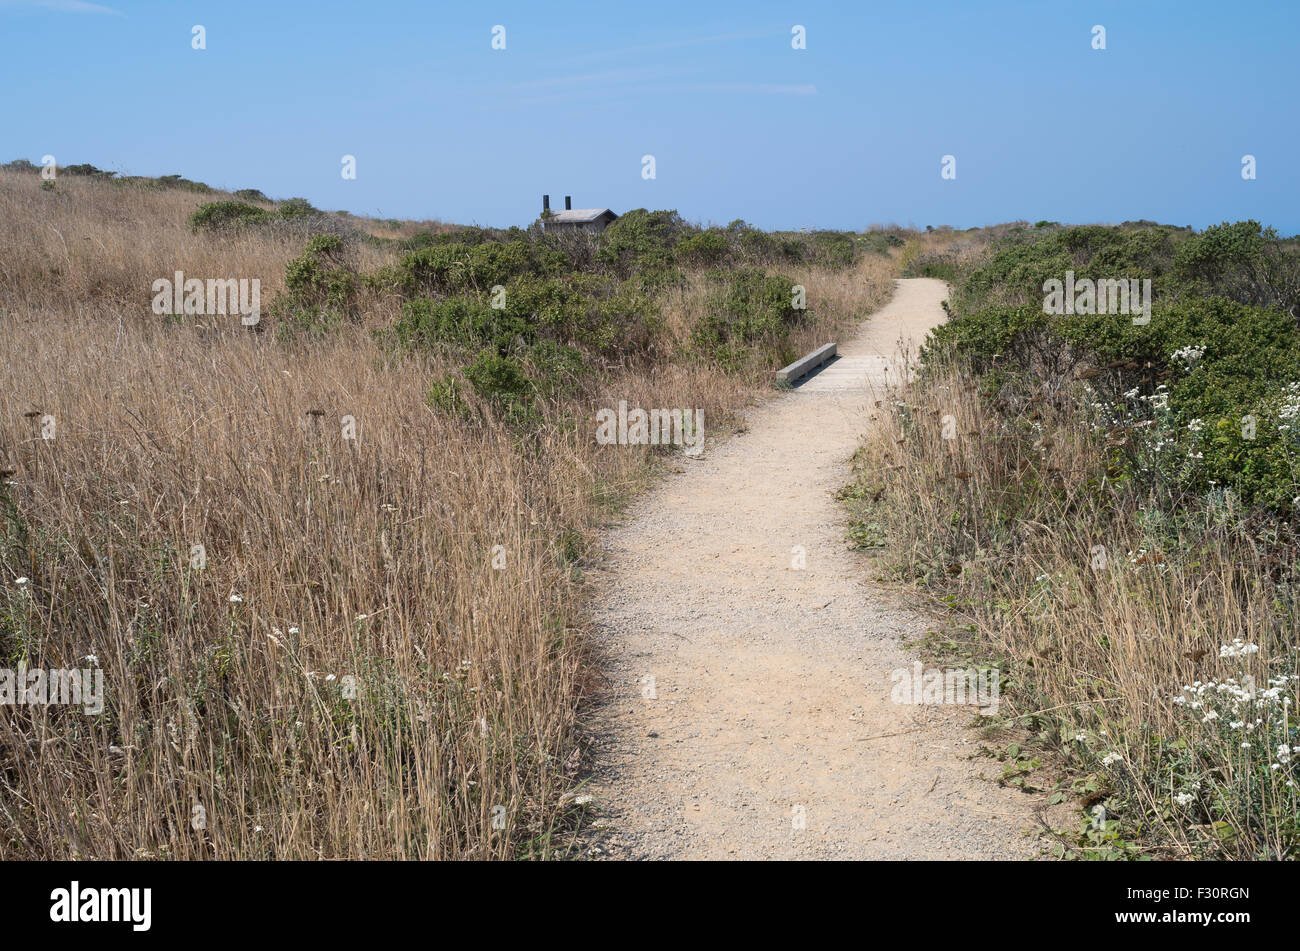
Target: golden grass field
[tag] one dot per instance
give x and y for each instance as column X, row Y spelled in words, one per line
column 230, row 730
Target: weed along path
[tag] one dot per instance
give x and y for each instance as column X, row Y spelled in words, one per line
column 747, row 712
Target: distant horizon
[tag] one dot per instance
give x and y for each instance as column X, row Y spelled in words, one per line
column 819, row 116
column 885, row 226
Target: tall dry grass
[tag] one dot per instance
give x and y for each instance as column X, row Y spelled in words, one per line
column 342, row 672
column 1102, row 602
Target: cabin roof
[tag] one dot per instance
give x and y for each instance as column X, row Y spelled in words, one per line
column 578, row 215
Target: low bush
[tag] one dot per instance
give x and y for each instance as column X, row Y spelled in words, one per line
column 747, row 309
column 85, row 171
column 1243, row 262
column 1022, row 262
column 225, row 215
column 321, row 289
column 452, row 268
column 185, row 184
column 296, row 208
column 706, row 249
column 1208, row 387
column 641, row 240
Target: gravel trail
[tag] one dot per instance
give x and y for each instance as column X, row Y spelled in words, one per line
column 771, row 691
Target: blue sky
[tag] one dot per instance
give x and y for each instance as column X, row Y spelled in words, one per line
column 845, row 133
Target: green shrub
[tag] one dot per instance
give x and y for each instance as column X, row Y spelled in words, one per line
column 185, row 184
column 1243, row 262
column 706, row 249
column 456, row 268
column 504, row 383
column 748, row 311
column 296, row 208
column 1189, row 378
column 251, row 194
column 86, row 171
column 223, row 215
column 881, row 242
column 425, row 239
column 511, row 384
column 321, row 289
column 1209, row 389
column 554, row 368
column 584, row 311
column 762, row 247
column 1022, row 262
column 453, row 322
column 588, row 311
column 448, row 395
column 1208, row 261
column 833, row 249
column 829, row 249
column 641, row 240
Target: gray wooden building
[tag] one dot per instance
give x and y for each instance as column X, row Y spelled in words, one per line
column 592, row 220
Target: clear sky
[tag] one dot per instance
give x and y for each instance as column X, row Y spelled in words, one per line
column 845, row 133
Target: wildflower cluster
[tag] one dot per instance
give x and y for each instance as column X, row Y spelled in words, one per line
column 1188, row 356
column 1290, row 408
column 1247, row 746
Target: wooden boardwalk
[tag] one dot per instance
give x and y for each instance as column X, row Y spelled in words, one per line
column 875, row 360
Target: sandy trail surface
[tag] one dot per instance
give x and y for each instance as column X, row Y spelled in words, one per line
column 748, row 709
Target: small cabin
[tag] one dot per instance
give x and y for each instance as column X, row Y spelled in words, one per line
column 590, row 220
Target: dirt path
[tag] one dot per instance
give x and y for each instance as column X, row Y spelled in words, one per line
column 771, row 685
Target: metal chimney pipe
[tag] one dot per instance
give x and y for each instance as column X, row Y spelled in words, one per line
column 546, row 203
column 568, row 203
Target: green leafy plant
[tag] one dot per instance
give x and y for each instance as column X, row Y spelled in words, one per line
column 226, row 215
column 321, row 289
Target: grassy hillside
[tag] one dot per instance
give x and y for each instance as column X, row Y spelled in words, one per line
column 1108, row 511
column 379, row 649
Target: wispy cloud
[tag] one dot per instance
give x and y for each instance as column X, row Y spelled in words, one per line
column 62, row 6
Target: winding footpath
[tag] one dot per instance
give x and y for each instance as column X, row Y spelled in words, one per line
column 748, row 710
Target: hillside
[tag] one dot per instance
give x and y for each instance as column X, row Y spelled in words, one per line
column 329, row 561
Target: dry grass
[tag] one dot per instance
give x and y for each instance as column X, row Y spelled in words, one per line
column 839, row 299
column 1101, row 607
column 326, row 559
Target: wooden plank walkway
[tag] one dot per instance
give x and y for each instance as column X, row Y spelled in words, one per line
column 874, row 360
